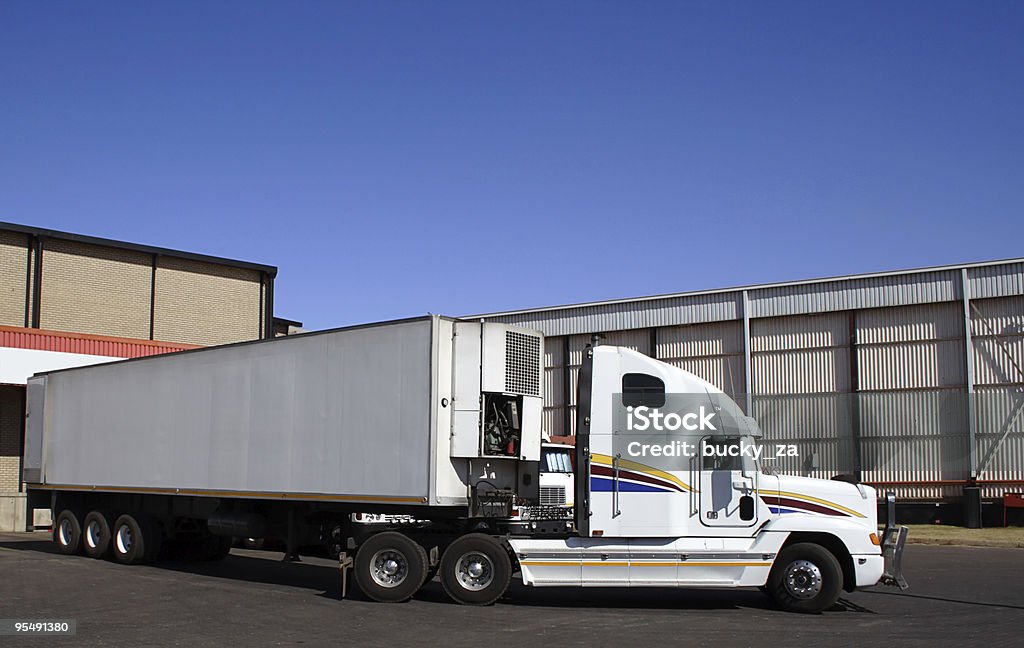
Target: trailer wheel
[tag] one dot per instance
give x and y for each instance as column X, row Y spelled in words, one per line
column 806, row 577
column 135, row 540
column 390, row 567
column 67, row 532
column 476, row 570
column 96, row 535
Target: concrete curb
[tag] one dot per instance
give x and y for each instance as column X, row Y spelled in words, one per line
column 961, row 542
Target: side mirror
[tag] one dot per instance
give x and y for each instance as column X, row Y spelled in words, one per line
column 746, row 508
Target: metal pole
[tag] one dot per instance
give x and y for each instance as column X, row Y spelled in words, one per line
column 37, row 281
column 965, row 291
column 567, row 397
column 268, row 316
column 855, row 431
column 747, row 364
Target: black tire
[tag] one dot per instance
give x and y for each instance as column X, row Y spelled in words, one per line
column 385, row 551
column 806, row 577
column 471, row 552
column 67, row 532
column 135, row 540
column 96, row 535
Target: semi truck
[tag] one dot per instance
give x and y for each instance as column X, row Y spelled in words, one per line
column 440, row 420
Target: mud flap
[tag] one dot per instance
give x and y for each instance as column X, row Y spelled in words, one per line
column 894, row 538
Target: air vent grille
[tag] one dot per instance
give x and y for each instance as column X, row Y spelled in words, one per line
column 552, row 495
column 522, row 364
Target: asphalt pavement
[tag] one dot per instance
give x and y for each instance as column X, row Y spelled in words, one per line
column 959, row 596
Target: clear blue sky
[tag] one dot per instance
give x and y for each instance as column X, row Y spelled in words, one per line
column 399, row 158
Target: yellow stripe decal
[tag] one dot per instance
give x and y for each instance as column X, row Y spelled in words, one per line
column 626, row 464
column 810, row 498
column 618, row 563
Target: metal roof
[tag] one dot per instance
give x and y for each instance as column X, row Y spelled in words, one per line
column 147, row 249
column 101, row 345
column 828, row 294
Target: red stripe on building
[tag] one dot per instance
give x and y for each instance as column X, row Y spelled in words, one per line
column 101, row 345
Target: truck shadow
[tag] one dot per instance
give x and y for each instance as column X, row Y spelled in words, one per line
column 39, row 545
column 323, row 577
column 945, row 599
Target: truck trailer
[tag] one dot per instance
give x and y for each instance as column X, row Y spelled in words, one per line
column 439, row 420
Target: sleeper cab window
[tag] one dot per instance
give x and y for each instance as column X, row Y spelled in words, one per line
column 642, row 389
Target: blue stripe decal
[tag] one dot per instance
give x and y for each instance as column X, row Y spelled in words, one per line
column 605, row 485
column 777, row 509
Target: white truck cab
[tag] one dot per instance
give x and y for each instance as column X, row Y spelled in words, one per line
column 669, row 492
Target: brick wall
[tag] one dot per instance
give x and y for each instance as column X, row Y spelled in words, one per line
column 204, row 303
column 13, row 257
column 108, row 290
column 93, row 289
column 10, row 437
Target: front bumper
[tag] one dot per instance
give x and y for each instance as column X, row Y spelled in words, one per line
column 894, row 538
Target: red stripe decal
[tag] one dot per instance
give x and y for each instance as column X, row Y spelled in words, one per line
column 797, row 504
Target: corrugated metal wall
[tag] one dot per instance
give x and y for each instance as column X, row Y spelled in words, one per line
column 912, row 379
column 712, row 351
column 554, row 386
column 801, row 384
column 997, row 329
column 864, row 374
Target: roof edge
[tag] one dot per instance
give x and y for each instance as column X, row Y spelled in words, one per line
column 42, row 232
column 741, row 288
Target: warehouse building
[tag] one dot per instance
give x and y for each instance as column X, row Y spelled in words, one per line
column 910, row 380
column 70, row 300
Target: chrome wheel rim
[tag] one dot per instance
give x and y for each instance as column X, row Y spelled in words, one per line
column 803, row 579
column 389, row 568
column 64, row 532
column 92, row 534
column 474, row 571
column 124, row 539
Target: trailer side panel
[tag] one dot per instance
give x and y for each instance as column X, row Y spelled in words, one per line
column 344, row 413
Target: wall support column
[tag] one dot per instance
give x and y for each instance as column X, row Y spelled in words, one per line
column 268, row 315
column 747, row 362
column 855, row 431
column 567, row 428
column 152, row 297
column 965, row 292
column 37, row 282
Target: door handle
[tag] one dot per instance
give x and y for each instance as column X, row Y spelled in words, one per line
column 615, row 486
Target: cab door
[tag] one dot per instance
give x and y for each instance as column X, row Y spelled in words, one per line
column 728, row 484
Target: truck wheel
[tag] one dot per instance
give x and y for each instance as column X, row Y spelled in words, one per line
column 390, row 567
column 135, row 540
column 475, row 570
column 806, row 577
column 96, row 535
column 67, row 532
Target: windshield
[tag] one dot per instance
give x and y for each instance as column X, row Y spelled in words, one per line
column 555, row 460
